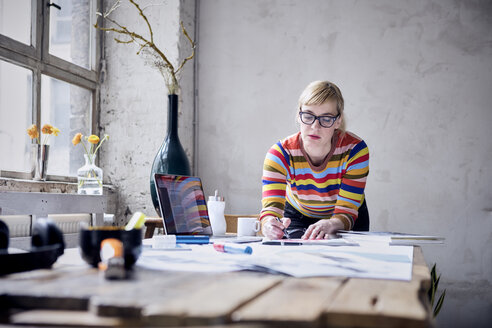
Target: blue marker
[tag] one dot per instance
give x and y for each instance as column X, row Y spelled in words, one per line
column 234, row 249
column 192, row 239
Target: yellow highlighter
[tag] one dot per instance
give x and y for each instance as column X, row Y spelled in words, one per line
column 136, row 222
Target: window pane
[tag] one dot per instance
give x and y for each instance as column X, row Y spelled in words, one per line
column 68, row 108
column 72, row 32
column 15, row 117
column 15, row 20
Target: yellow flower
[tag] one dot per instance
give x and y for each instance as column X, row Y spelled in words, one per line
column 77, row 138
column 95, row 143
column 47, row 129
column 93, row 139
column 33, row 131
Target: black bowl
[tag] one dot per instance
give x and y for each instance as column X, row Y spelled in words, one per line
column 91, row 238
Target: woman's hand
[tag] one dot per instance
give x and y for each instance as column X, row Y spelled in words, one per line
column 273, row 228
column 323, row 228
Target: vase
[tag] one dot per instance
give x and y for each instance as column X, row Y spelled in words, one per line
column 39, row 161
column 90, row 177
column 171, row 157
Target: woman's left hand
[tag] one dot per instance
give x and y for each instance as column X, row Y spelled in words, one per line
column 323, row 228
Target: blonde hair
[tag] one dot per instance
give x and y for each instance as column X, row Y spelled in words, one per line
column 321, row 92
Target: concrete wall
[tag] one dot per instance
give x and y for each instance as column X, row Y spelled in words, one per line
column 134, row 101
column 417, row 80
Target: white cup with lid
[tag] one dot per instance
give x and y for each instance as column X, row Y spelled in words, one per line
column 216, row 206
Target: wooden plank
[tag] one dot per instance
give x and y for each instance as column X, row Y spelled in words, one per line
column 377, row 303
column 370, row 302
column 420, row 270
column 31, row 289
column 146, row 288
column 68, row 318
column 53, row 318
column 209, row 303
column 294, row 302
column 83, row 288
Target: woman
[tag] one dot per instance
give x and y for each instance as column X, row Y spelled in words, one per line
column 314, row 180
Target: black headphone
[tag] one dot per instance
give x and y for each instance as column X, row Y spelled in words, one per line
column 47, row 244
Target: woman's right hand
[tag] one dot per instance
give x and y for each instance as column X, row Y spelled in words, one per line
column 273, row 228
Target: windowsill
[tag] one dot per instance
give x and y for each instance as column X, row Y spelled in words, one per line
column 13, row 185
column 25, row 197
column 63, row 187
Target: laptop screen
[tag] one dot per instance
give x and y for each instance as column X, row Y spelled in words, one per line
column 182, row 204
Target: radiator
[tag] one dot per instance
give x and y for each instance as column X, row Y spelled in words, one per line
column 20, row 225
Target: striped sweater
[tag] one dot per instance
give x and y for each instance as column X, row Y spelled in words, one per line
column 333, row 189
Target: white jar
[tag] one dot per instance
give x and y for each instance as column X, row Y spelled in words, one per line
column 216, row 206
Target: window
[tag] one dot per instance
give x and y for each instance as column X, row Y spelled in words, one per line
column 48, row 74
column 15, row 116
column 17, row 27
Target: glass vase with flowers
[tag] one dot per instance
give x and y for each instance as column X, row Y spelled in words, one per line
column 89, row 176
column 40, row 149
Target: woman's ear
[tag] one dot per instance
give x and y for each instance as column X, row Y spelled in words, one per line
column 297, row 119
column 338, row 122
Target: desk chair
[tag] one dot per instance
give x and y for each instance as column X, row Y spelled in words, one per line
column 231, row 223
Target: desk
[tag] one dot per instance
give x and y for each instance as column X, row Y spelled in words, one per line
column 72, row 293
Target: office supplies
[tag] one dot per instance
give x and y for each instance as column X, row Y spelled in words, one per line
column 90, row 239
column 164, row 241
column 136, row 222
column 216, row 206
column 281, row 242
column 192, row 239
column 286, row 235
column 234, row 249
column 112, row 261
column 317, row 242
column 236, row 239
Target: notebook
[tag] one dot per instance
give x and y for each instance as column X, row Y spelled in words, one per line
column 184, row 209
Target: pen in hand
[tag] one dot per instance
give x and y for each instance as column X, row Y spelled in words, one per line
column 284, row 229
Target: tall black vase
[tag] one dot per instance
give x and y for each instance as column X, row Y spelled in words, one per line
column 171, row 157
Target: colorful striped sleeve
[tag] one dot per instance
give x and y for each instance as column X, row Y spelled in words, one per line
column 275, row 172
column 353, row 183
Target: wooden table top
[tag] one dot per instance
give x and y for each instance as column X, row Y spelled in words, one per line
column 74, row 294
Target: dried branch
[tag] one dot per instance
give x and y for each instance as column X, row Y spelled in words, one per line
column 153, row 55
column 145, row 19
column 192, row 48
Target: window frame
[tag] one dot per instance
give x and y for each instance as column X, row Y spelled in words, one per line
column 36, row 57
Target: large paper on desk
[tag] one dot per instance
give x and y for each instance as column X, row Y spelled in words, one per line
column 368, row 260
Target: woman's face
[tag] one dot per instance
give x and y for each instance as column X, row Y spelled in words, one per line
column 316, row 138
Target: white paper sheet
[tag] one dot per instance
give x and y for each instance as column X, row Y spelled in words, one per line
column 370, row 259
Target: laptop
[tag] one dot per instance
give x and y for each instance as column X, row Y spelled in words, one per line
column 184, row 209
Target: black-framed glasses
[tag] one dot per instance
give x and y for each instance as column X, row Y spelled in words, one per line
column 325, row 121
